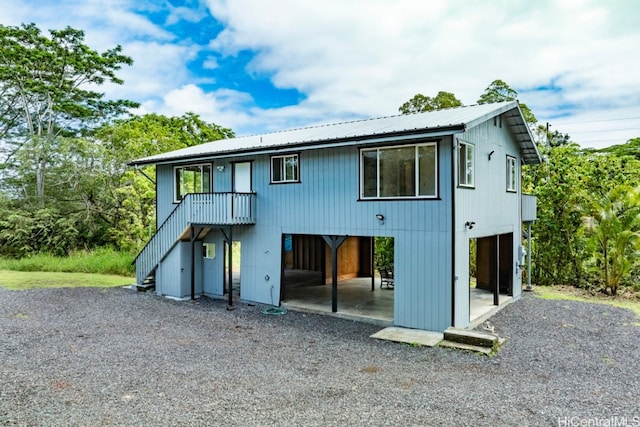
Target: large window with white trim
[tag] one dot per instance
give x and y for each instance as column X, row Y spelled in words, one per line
column 466, row 165
column 512, row 174
column 191, row 179
column 406, row 171
column 285, row 169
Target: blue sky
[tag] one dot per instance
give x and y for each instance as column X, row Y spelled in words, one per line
column 258, row 66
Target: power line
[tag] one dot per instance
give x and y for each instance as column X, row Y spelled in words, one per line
column 598, row 121
column 605, row 130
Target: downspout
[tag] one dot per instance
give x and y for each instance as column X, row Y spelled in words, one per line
column 453, row 229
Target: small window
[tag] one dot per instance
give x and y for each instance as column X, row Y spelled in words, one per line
column 191, row 179
column 466, row 165
column 285, row 169
column 512, row 174
column 209, row 250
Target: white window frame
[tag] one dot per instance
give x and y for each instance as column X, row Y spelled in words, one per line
column 208, row 250
column 283, row 170
column 512, row 174
column 176, row 199
column 466, row 179
column 417, row 194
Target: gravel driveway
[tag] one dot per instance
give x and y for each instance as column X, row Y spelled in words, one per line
column 116, row 357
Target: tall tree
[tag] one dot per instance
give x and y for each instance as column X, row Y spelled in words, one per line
column 420, row 103
column 125, row 199
column 499, row 91
column 46, row 85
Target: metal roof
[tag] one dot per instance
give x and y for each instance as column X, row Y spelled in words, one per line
column 433, row 123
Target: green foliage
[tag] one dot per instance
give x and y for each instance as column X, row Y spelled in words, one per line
column 612, row 222
column 64, row 180
column 499, row 91
column 420, row 103
column 383, row 253
column 587, row 223
column 630, row 148
column 99, row 261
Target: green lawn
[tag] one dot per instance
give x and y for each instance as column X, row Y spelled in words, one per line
column 552, row 292
column 21, row 280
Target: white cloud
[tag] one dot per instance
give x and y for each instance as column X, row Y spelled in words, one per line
column 363, row 58
column 367, row 57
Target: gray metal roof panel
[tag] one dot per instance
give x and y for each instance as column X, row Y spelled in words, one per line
column 429, row 122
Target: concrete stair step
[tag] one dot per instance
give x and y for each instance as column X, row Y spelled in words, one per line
column 481, row 342
column 467, row 347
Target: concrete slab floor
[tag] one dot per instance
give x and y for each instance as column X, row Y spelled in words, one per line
column 409, row 336
column 304, row 291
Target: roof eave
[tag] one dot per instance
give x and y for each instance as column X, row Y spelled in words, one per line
column 311, row 145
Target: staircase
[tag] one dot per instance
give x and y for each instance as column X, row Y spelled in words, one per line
column 206, row 209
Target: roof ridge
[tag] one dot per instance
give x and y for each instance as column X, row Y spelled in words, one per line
column 324, row 125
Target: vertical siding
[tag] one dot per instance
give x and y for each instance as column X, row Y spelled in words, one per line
column 326, row 202
column 489, row 205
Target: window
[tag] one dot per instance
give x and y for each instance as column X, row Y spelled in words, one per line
column 399, row 172
column 191, row 179
column 466, row 163
column 209, row 250
column 512, row 174
column 285, row 169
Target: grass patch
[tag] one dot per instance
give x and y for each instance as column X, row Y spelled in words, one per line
column 21, row 280
column 99, row 261
column 575, row 294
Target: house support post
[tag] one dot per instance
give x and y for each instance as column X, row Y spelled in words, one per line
column 194, row 235
column 372, row 245
column 496, row 289
column 334, row 243
column 528, row 288
column 228, row 237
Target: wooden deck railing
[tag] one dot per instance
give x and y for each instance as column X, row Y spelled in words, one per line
column 202, row 209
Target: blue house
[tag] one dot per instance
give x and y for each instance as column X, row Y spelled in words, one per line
column 445, row 185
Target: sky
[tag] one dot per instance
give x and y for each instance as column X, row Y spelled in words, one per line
column 258, row 66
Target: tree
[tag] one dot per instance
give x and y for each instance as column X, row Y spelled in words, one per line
column 420, row 103
column 630, row 148
column 125, row 199
column 612, row 223
column 46, row 88
column 499, row 91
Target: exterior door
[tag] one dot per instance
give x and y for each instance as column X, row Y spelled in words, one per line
column 242, row 177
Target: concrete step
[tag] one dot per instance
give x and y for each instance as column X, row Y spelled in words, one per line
column 464, row 339
column 467, row 347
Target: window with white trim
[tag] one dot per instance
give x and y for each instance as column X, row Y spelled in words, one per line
column 191, row 179
column 512, row 174
column 407, row 171
column 466, row 165
column 285, row 168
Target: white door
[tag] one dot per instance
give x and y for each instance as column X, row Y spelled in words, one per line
column 242, row 177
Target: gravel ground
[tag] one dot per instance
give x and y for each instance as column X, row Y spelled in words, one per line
column 115, row 357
